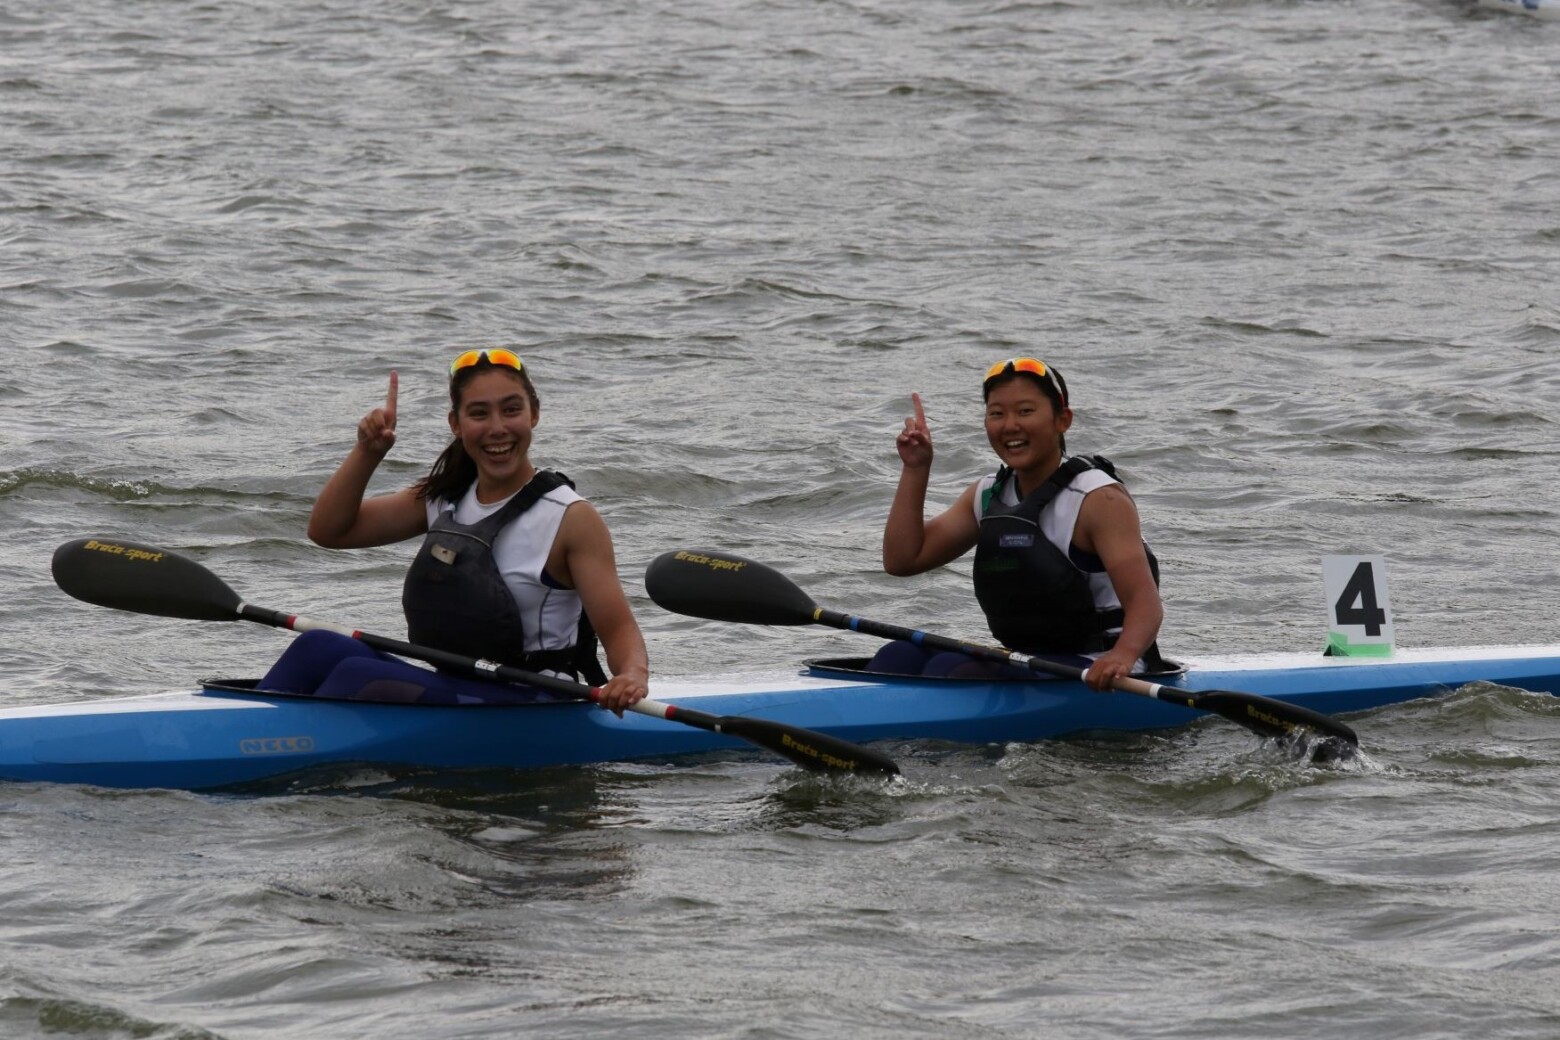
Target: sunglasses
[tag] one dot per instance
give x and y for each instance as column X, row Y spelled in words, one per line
column 507, row 358
column 1033, row 366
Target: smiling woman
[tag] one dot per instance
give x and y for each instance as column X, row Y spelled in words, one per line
column 1060, row 561
column 515, row 566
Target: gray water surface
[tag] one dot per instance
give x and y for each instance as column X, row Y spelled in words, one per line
column 1296, row 260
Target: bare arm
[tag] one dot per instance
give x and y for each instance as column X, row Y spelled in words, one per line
column 911, row 543
column 1108, row 526
column 341, row 519
column 914, row 545
column 582, row 557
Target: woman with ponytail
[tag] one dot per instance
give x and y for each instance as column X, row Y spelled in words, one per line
column 515, row 566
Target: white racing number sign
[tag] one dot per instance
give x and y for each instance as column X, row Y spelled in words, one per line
column 1359, row 611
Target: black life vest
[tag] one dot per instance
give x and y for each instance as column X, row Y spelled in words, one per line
column 456, row 600
column 1036, row 600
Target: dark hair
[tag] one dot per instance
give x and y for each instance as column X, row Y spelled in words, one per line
column 454, row 470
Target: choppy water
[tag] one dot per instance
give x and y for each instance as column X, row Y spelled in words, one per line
column 1297, row 260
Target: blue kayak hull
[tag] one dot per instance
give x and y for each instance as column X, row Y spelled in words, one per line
column 217, row 738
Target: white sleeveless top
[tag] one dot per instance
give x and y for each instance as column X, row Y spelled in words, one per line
column 551, row 615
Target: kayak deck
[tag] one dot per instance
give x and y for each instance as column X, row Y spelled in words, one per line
column 223, row 736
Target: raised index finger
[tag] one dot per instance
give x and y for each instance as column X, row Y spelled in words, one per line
column 395, row 385
column 920, row 413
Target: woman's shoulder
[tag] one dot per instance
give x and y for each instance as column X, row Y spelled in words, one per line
column 582, row 527
column 1092, row 480
column 563, row 495
column 1093, row 472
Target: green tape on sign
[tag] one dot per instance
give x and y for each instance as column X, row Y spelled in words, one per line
column 1338, row 645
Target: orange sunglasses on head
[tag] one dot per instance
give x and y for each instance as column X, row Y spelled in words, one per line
column 507, row 358
column 1034, row 366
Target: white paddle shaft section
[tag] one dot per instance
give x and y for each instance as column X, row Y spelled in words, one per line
column 655, row 709
column 303, row 624
column 1127, row 684
column 1123, row 683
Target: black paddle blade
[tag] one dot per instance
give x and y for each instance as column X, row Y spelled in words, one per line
column 817, row 752
column 1280, row 720
column 140, row 578
column 707, row 583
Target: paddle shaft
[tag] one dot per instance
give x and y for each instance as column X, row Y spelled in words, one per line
column 1125, row 684
column 1262, row 715
column 476, row 667
column 806, row 748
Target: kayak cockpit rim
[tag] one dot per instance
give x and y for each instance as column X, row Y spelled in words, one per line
column 857, row 668
column 251, row 688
